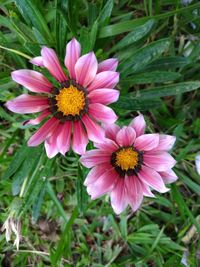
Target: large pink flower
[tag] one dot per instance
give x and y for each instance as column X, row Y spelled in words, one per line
column 73, row 106
column 129, row 164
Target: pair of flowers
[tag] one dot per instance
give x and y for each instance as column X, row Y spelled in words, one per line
column 127, row 163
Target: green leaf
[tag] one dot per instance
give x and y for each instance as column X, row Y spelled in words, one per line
column 129, row 103
column 61, row 26
column 144, row 56
column 167, row 90
column 138, row 33
column 106, row 11
column 38, row 202
column 33, row 17
column 55, row 200
column 168, row 63
column 64, row 243
column 183, row 208
column 29, row 164
column 17, row 161
column 150, row 77
column 82, row 196
column 129, row 25
column 192, row 185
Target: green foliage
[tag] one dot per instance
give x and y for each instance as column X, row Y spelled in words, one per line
column 159, row 74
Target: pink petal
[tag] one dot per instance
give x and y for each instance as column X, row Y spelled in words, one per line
column 51, row 143
column 43, row 132
column 102, row 113
column 104, row 184
column 166, row 142
column 160, row 161
column 111, row 131
column 104, row 96
column 95, row 157
column 27, row 104
column 51, row 148
column 108, row 64
column 38, row 61
column 63, row 140
column 118, row 196
column 96, row 172
column 105, row 79
column 168, row 176
column 108, row 145
column 73, row 51
column 152, row 178
column 134, row 192
column 80, row 139
column 95, row 131
column 40, row 118
column 126, row 136
column 86, row 69
column 146, row 142
column 32, row 80
column 138, row 124
column 146, row 190
column 51, row 62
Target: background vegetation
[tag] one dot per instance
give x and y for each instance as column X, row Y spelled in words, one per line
column 157, row 44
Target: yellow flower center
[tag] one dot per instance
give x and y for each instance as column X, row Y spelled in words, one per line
column 70, row 101
column 126, row 158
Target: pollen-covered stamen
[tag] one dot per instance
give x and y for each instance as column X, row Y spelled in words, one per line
column 70, row 101
column 126, row 158
column 127, row 161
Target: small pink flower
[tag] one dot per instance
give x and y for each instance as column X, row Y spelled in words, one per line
column 128, row 164
column 73, row 106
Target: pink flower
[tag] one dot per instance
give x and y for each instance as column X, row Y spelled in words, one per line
column 129, row 164
column 73, row 107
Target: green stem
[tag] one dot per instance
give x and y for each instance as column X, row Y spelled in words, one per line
column 16, row 52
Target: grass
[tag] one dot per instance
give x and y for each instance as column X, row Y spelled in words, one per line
column 157, row 44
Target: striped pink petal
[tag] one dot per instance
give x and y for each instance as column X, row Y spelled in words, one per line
column 119, row 197
column 38, row 61
column 95, row 157
column 73, row 51
column 95, row 131
column 80, row 139
column 168, row 176
column 32, row 80
column 108, row 64
column 146, row 190
column 111, row 131
column 134, row 192
column 43, row 133
column 64, row 138
column 152, row 178
column 104, row 184
column 146, row 142
column 51, row 143
column 105, row 79
column 125, row 136
column 51, row 62
column 102, row 113
column 27, row 104
column 86, row 69
column 138, row 124
column 108, row 145
column 104, row 96
column 96, row 172
column 166, row 142
column 37, row 120
column 160, row 161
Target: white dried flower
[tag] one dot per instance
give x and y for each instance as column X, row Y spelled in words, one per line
column 12, row 226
